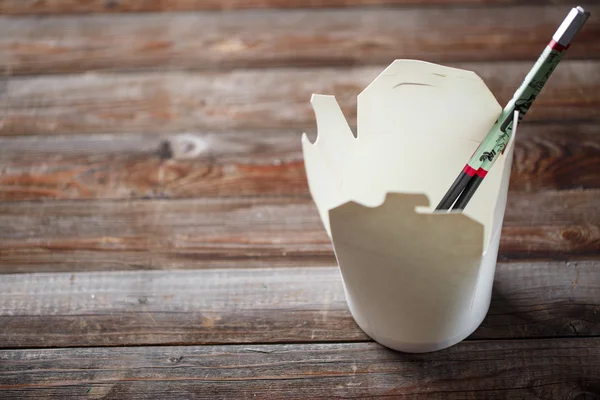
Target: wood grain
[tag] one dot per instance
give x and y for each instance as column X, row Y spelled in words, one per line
column 248, row 232
column 293, row 38
column 125, row 166
column 287, row 305
column 565, row 156
column 551, row 224
column 22, row 7
column 175, row 102
column 545, row 369
column 161, row 234
column 548, row 156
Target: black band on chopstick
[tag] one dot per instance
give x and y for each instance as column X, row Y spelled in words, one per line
column 469, row 191
column 455, row 190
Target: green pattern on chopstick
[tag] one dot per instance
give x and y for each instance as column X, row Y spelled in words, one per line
column 496, row 140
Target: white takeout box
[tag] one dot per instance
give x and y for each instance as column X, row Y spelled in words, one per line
column 416, row 279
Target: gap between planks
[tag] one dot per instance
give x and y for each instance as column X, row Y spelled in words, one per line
column 548, row 156
column 254, row 232
column 177, row 101
column 543, row 369
column 57, row 7
column 292, row 38
column 271, row 305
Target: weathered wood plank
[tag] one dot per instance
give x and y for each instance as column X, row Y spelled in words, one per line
column 21, row 7
column 284, row 38
column 250, row 163
column 214, row 233
column 253, row 232
column 265, row 305
column 170, row 102
column 565, row 156
column 516, row 369
column 132, row 166
column 551, row 224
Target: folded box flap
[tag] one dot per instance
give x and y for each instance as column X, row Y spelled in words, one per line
column 416, row 129
column 423, row 98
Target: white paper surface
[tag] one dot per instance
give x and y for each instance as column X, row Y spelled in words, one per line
column 415, row 281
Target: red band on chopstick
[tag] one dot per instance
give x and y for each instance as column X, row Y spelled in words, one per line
column 554, row 45
column 481, row 173
column 469, row 171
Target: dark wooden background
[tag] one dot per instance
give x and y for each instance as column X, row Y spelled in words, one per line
column 157, row 236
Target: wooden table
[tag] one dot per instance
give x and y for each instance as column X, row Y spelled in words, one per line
column 157, row 236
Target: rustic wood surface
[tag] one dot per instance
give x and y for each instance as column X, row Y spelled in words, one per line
column 294, row 38
column 515, row 369
column 24, row 7
column 249, row 232
column 157, row 235
column 530, row 300
column 548, row 156
column 176, row 101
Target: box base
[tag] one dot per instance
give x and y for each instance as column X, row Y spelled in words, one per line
column 418, row 347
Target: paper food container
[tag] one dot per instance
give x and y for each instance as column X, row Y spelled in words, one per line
column 415, row 279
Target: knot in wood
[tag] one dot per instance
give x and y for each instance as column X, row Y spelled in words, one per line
column 574, row 235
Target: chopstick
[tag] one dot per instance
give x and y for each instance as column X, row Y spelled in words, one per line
column 471, row 176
